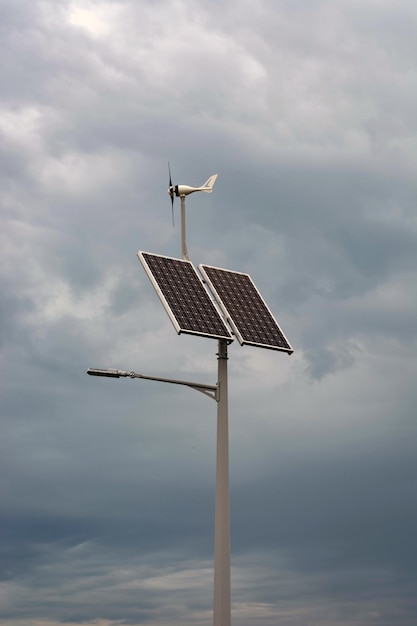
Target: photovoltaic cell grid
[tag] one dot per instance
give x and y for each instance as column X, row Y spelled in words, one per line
column 245, row 309
column 184, row 297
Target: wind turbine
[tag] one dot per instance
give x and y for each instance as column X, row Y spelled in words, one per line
column 181, row 191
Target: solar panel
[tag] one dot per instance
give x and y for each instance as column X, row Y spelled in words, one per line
column 245, row 309
column 184, row 296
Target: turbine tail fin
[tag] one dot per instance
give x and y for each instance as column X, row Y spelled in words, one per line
column 209, row 184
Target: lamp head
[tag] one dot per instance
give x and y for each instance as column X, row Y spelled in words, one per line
column 110, row 373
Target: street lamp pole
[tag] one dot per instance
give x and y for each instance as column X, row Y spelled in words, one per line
column 222, row 598
column 191, row 310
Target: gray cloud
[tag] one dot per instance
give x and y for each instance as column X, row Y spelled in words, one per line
column 306, row 112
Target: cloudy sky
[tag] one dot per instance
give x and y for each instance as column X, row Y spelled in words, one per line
column 306, row 110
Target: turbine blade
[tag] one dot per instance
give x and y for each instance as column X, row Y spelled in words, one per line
column 171, row 193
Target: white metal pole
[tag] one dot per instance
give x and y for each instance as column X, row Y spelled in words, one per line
column 184, row 251
column 222, row 599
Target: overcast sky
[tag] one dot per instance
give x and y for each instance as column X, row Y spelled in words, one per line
column 306, row 109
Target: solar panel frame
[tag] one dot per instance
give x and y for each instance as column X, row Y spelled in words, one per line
column 184, row 296
column 245, row 316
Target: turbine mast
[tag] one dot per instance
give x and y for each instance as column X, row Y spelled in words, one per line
column 184, row 251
